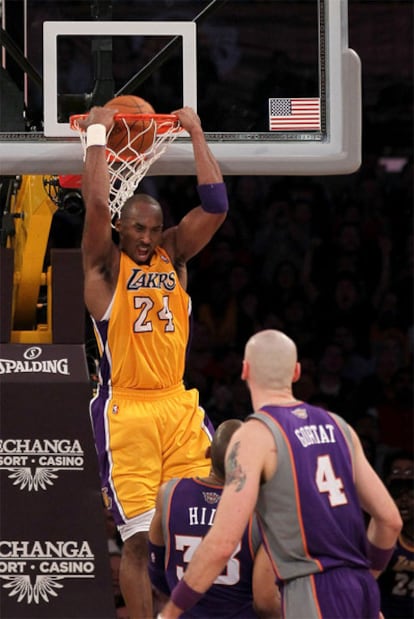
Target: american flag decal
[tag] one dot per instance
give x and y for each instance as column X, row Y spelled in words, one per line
column 294, row 114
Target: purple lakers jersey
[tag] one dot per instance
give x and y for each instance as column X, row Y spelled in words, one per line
column 309, row 511
column 396, row 584
column 188, row 513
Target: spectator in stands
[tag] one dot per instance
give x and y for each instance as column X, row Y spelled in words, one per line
column 399, row 464
column 397, row 581
column 219, row 314
column 356, row 365
column 220, row 403
column 389, row 391
column 332, row 387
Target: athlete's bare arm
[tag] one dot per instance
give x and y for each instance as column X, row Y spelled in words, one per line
column 250, row 452
column 196, row 229
column 385, row 524
column 100, row 254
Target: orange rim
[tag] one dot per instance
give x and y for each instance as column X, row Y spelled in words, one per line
column 163, row 120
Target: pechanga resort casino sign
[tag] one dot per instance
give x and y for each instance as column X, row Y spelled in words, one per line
column 34, row 464
column 35, row 571
column 54, row 561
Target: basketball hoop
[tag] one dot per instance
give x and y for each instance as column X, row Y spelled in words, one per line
column 127, row 162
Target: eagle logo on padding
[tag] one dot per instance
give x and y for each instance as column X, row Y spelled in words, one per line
column 20, row 585
column 40, row 480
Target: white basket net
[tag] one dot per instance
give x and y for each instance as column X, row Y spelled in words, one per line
column 127, row 165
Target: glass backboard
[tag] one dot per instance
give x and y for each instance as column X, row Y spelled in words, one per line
column 274, row 82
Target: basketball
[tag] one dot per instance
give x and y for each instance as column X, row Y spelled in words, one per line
column 141, row 132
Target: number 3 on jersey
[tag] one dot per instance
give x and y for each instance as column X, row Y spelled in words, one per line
column 189, row 543
column 327, row 481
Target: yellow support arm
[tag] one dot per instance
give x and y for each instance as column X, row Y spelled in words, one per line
column 33, row 211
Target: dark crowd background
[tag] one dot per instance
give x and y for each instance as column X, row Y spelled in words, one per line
column 329, row 259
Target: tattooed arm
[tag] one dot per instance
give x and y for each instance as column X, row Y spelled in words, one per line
column 250, row 457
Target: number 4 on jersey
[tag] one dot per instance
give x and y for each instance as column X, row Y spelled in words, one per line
column 327, row 481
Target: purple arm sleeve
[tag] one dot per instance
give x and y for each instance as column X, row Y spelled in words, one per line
column 379, row 557
column 156, row 569
column 184, row 596
column 213, row 198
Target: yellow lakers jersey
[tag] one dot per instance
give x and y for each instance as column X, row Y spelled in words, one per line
column 143, row 343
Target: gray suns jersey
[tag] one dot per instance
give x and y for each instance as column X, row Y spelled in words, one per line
column 309, row 511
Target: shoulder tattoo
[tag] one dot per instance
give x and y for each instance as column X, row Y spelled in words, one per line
column 234, row 472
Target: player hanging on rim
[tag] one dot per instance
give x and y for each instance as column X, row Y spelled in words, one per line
column 148, row 428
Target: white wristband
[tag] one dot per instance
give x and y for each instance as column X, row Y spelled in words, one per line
column 96, row 135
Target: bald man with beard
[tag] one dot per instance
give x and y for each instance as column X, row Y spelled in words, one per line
column 304, row 472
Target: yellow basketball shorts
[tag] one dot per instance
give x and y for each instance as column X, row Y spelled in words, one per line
column 145, row 438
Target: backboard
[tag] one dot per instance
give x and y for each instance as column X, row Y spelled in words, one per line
column 274, row 82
